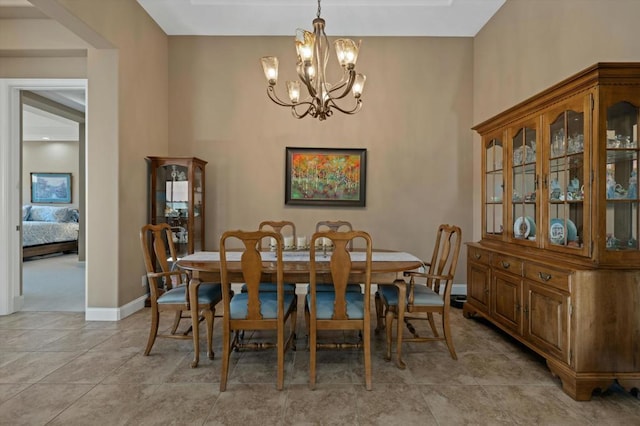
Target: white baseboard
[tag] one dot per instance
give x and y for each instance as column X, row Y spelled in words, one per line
column 115, row 314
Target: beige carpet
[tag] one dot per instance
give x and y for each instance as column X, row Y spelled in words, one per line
column 54, row 283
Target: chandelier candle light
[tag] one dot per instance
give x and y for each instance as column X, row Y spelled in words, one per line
column 313, row 55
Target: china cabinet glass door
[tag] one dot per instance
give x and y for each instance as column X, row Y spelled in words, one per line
column 524, row 183
column 494, row 188
column 621, row 177
column 172, row 203
column 567, row 177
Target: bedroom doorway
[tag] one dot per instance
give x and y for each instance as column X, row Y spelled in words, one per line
column 53, row 146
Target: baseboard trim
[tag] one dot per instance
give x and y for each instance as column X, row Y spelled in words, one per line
column 115, row 314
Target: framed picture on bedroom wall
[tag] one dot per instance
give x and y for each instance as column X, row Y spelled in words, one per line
column 52, row 188
column 325, row 177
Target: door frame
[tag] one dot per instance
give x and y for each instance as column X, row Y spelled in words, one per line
column 11, row 297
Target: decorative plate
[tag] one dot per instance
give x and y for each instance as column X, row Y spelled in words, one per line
column 524, row 227
column 557, row 231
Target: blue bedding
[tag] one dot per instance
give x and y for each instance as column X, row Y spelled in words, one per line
column 37, row 232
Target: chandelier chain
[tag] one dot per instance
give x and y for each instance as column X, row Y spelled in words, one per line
column 318, row 15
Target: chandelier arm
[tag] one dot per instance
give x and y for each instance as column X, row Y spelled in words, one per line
column 295, row 113
column 271, row 92
column 354, row 110
column 349, row 83
column 306, row 81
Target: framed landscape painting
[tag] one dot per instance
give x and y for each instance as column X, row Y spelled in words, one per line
column 51, row 188
column 325, row 177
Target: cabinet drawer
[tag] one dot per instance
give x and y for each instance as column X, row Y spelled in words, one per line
column 548, row 276
column 506, row 263
column 478, row 256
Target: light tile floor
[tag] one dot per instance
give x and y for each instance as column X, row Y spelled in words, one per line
column 58, row 369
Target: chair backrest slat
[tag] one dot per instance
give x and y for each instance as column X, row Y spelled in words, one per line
column 251, row 267
column 340, row 267
column 445, row 255
column 158, row 248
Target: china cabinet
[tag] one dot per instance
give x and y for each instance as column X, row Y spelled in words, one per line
column 558, row 265
column 176, row 197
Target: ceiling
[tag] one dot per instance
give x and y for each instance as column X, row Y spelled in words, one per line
column 435, row 18
column 438, row 18
column 39, row 125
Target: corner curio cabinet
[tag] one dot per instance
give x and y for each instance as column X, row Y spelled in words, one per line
column 176, row 197
column 558, row 266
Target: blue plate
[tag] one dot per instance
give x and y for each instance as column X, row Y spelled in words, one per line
column 557, row 231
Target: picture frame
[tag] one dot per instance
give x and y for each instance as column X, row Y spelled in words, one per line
column 54, row 188
column 326, row 177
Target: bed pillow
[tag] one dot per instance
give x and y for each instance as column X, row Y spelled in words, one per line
column 26, row 209
column 50, row 214
column 74, row 215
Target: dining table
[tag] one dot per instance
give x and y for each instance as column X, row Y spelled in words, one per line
column 387, row 267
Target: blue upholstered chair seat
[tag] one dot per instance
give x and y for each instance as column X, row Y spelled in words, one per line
column 268, row 304
column 351, row 288
column 272, row 287
column 325, row 301
column 423, row 295
column 207, row 293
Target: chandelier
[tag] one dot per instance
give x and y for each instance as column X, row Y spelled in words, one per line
column 313, row 54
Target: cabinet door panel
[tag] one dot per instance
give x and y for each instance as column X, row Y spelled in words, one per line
column 522, row 185
column 547, row 319
column 506, row 292
column 478, row 285
column 566, row 170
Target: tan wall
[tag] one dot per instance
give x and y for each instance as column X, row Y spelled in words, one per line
column 128, row 120
column 530, row 45
column 415, row 121
column 50, row 157
column 415, row 125
column 43, row 67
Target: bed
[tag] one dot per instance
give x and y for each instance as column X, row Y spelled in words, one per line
column 49, row 229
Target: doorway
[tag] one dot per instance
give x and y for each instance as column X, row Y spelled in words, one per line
column 52, row 141
column 11, row 297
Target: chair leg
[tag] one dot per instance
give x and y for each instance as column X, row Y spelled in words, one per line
column 226, row 352
column 433, row 324
column 280, row 349
column 379, row 313
column 294, row 322
column 209, row 314
column 312, row 357
column 176, row 322
column 367, row 357
column 447, row 334
column 389, row 328
column 153, row 332
column 307, row 319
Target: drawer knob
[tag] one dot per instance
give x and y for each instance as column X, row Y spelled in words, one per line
column 477, row 255
column 505, row 265
column 544, row 277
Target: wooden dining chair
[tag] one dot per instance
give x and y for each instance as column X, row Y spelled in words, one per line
column 255, row 309
column 284, row 228
column 425, row 298
column 335, row 225
column 339, row 309
column 169, row 289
